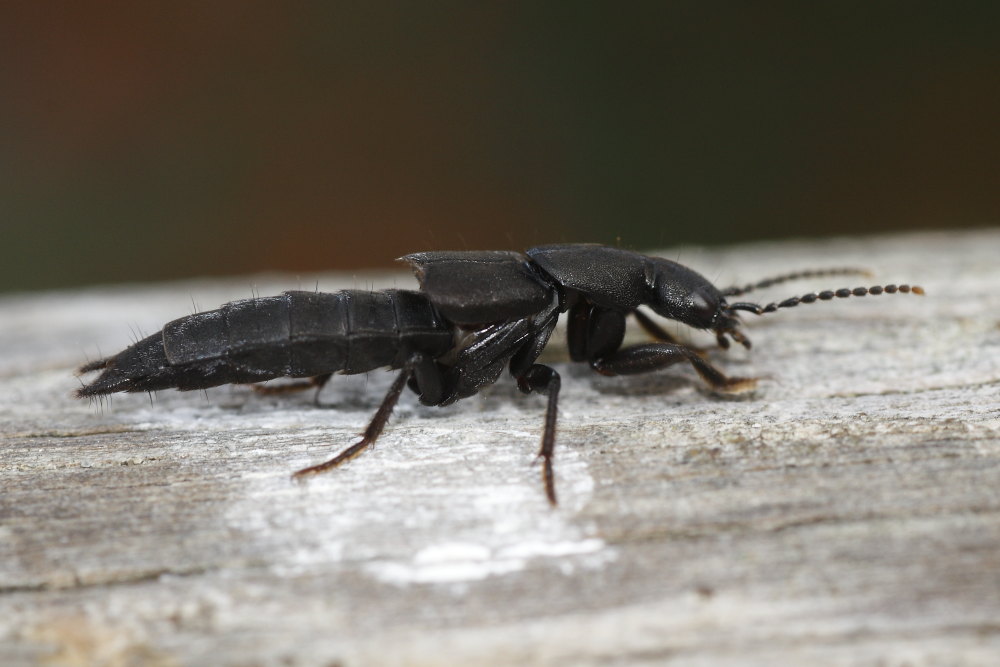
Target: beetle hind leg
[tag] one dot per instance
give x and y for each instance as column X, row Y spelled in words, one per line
column 371, row 433
column 96, row 365
column 317, row 382
column 419, row 365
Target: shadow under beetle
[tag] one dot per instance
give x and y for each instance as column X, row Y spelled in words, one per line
column 475, row 314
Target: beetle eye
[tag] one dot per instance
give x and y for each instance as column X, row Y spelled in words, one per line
column 699, row 302
column 704, row 309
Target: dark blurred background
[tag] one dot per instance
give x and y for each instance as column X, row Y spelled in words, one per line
column 142, row 141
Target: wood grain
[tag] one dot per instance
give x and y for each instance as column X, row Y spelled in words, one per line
column 846, row 512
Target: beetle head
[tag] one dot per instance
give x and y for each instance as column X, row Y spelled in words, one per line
column 680, row 294
column 684, row 295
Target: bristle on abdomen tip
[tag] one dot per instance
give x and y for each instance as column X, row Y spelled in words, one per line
column 108, row 382
column 88, row 391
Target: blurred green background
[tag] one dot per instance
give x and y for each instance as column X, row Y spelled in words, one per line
column 142, row 141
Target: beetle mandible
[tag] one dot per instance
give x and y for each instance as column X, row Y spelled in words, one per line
column 476, row 314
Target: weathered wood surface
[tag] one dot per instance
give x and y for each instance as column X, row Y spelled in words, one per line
column 847, row 512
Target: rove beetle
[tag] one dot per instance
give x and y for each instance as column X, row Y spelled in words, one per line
column 476, row 314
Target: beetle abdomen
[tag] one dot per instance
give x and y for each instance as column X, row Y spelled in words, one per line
column 296, row 334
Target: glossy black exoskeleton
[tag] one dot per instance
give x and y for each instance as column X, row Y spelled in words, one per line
column 476, row 314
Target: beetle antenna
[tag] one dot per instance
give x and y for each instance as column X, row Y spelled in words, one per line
column 796, row 275
column 826, row 295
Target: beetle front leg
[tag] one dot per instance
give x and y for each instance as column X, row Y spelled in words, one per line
column 658, row 333
column 545, row 380
column 652, row 328
column 654, row 356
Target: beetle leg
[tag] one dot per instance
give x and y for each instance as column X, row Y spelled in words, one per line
column 650, row 326
column 532, row 377
column 657, row 332
column 371, row 433
column 576, row 330
column 317, row 381
column 593, row 331
column 654, row 356
column 427, row 380
column 545, row 380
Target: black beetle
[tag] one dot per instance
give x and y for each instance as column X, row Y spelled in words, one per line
column 476, row 314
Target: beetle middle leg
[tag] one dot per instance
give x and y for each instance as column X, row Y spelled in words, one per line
column 532, row 377
column 545, row 380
